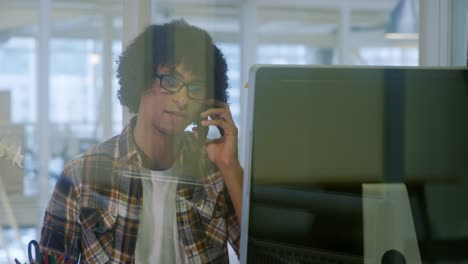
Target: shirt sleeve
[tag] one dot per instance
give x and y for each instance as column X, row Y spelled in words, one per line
column 233, row 227
column 61, row 229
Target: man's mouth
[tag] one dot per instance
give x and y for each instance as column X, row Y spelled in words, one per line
column 177, row 114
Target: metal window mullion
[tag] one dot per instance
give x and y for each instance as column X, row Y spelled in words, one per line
column 344, row 35
column 106, row 94
column 435, row 36
column 248, row 50
column 43, row 118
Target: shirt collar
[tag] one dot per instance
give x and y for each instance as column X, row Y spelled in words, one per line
column 127, row 149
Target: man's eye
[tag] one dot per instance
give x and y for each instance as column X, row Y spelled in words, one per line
column 171, row 82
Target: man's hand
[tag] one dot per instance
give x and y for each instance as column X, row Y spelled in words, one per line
column 223, row 151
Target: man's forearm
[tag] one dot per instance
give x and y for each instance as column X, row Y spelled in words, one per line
column 233, row 178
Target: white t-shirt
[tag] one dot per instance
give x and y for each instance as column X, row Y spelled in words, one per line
column 158, row 238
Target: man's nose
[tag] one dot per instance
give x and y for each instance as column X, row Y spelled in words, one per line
column 181, row 98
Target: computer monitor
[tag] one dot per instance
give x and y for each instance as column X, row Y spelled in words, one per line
column 327, row 145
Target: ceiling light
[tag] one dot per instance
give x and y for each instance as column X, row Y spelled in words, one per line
column 403, row 22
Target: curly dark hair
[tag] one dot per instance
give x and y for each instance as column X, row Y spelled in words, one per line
column 170, row 44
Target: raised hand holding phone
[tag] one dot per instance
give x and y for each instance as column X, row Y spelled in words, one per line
column 221, row 151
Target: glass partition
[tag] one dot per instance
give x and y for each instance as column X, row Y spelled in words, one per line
column 85, row 45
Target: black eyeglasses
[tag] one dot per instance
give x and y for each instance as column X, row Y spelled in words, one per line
column 173, row 84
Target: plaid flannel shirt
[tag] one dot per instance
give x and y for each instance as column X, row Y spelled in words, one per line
column 95, row 210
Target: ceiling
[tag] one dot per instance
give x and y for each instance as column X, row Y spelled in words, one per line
column 295, row 18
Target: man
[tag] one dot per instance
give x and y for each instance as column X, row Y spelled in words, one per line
column 156, row 193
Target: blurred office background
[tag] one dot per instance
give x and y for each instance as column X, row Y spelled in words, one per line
column 58, row 59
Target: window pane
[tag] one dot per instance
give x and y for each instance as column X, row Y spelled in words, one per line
column 81, row 33
column 18, row 151
column 231, row 52
column 17, row 76
column 297, row 35
column 371, row 44
column 81, row 36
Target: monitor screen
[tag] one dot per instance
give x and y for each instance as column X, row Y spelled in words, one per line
column 331, row 148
